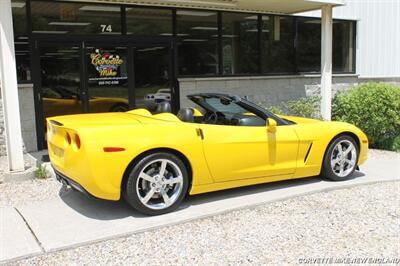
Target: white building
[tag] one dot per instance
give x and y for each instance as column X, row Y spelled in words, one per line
column 112, row 55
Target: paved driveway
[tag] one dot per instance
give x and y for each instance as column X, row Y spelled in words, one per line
column 72, row 219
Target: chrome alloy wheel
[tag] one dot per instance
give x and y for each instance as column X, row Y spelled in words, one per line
column 343, row 158
column 159, row 184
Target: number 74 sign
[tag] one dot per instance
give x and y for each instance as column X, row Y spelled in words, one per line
column 106, row 28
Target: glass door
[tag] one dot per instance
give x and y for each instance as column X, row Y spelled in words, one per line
column 107, row 78
column 152, row 66
column 60, row 82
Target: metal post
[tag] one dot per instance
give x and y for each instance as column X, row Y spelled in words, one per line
column 326, row 61
column 9, row 89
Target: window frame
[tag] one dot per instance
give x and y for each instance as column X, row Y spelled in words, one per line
column 261, row 53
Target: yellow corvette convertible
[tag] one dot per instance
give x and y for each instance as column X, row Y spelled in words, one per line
column 154, row 160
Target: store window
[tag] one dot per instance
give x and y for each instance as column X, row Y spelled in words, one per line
column 308, row 44
column 19, row 17
column 22, row 58
column 240, row 43
column 149, row 21
column 22, row 54
column 278, row 44
column 73, row 18
column 343, row 46
column 197, row 34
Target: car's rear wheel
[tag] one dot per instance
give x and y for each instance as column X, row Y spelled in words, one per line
column 340, row 159
column 157, row 184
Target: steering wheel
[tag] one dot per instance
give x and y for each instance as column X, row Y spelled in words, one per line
column 211, row 118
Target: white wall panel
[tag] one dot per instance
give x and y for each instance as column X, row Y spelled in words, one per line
column 378, row 35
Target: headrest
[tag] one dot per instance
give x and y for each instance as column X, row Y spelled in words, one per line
column 186, row 115
column 163, row 107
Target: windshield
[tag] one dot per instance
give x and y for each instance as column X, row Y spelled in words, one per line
column 222, row 106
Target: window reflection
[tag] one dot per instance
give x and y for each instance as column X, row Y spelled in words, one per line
column 22, row 58
column 197, row 33
column 240, row 43
column 149, row 21
column 60, row 88
column 309, row 45
column 22, row 54
column 343, row 46
column 278, row 44
column 19, row 17
column 152, row 77
column 66, row 18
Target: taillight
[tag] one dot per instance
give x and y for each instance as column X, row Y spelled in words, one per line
column 68, row 138
column 77, row 141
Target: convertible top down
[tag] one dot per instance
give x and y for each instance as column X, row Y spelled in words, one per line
column 154, row 160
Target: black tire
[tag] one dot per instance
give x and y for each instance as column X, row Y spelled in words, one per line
column 327, row 171
column 131, row 192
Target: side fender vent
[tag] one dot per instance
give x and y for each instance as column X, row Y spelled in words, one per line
column 308, row 153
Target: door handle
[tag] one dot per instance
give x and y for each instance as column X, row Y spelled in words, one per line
column 200, row 133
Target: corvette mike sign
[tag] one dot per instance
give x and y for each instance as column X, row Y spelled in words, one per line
column 107, row 66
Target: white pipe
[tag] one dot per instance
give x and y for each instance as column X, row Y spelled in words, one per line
column 9, row 89
column 326, row 62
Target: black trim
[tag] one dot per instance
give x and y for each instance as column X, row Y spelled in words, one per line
column 354, row 66
column 28, row 17
column 123, row 20
column 84, row 93
column 174, row 67
column 73, row 184
column 131, row 77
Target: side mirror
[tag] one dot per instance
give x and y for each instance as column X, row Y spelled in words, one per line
column 271, row 125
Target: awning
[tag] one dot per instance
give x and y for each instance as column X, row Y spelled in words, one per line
column 258, row 6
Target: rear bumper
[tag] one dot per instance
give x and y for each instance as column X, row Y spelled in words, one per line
column 76, row 186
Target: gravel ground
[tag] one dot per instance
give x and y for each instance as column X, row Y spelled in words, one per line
column 359, row 222
column 20, row 193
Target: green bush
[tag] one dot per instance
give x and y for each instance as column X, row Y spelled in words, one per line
column 305, row 107
column 374, row 108
column 275, row 109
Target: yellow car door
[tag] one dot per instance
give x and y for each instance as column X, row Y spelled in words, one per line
column 241, row 152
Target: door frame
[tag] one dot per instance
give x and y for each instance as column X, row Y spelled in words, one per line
column 37, row 83
column 131, row 42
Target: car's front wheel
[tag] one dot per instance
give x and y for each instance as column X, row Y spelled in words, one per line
column 157, row 184
column 340, row 159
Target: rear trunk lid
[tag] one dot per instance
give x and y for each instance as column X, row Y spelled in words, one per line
column 93, row 120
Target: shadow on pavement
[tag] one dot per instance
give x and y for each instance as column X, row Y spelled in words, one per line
column 114, row 210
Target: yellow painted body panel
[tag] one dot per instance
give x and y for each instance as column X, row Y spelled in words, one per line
column 56, row 106
column 229, row 156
